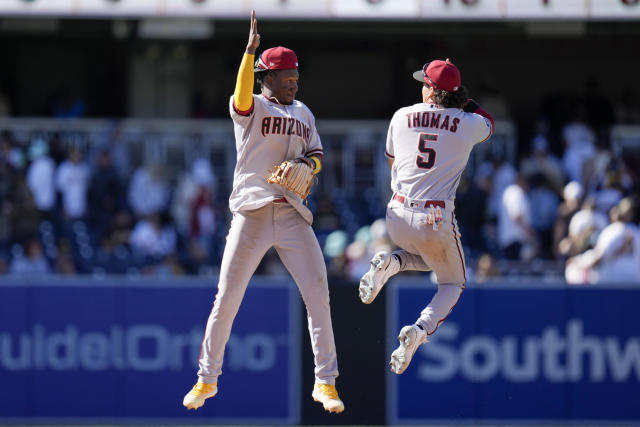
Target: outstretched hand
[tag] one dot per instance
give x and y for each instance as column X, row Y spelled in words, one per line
column 254, row 37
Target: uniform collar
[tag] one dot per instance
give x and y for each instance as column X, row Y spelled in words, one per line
column 275, row 101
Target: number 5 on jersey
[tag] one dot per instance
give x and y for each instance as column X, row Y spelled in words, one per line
column 428, row 156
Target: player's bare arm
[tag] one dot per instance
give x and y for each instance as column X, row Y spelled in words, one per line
column 254, row 37
column 243, row 93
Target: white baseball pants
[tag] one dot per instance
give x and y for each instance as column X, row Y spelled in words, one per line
column 251, row 234
column 440, row 251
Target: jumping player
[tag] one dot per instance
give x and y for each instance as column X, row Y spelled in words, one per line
column 428, row 146
column 269, row 128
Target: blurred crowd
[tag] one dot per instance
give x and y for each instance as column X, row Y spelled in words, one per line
column 68, row 208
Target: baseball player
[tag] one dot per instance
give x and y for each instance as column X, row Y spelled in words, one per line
column 270, row 128
column 428, row 145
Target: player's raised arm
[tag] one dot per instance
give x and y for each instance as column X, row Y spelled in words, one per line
column 243, row 94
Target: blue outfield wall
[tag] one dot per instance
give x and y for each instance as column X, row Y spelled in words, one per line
column 85, row 351
column 125, row 352
column 519, row 354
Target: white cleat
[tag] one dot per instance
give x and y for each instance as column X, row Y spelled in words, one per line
column 383, row 266
column 410, row 337
column 328, row 396
column 198, row 394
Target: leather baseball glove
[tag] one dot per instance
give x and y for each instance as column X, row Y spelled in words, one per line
column 294, row 175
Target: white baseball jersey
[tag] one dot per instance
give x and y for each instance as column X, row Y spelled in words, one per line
column 430, row 146
column 266, row 136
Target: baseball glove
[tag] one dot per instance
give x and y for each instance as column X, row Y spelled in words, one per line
column 296, row 176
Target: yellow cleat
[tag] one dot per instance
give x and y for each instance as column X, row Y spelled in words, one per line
column 198, row 394
column 328, row 396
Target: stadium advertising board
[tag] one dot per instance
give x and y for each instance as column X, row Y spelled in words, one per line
column 124, row 350
column 520, row 355
column 329, row 9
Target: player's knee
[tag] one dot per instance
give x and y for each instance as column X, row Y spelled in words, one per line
column 454, row 283
column 318, row 280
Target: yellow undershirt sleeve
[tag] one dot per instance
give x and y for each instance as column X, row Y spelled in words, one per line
column 243, row 94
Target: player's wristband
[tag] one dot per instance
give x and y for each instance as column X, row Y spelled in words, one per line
column 471, row 106
column 317, row 163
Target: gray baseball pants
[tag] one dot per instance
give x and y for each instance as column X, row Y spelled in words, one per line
column 251, row 234
column 440, row 250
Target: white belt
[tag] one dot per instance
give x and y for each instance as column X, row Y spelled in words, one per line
column 422, row 203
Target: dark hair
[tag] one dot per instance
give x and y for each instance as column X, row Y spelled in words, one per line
column 261, row 75
column 451, row 99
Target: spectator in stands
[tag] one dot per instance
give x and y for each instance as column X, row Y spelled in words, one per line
column 121, row 228
column 9, row 177
column 194, row 213
column 40, row 177
column 541, row 161
column 31, row 262
column 572, row 194
column 486, row 268
column 471, row 207
column 584, row 228
column 579, row 140
column 72, row 181
column 326, row 219
column 11, row 152
column 611, row 191
column 64, row 262
column 618, row 246
column 119, row 149
column 195, row 187
column 516, row 237
column 616, row 255
column 105, row 193
column 182, row 201
column 24, row 215
column 57, row 149
column 148, row 190
column 504, row 175
column 167, row 267
column 5, row 224
column 334, row 253
column 594, row 169
column 203, row 219
column 357, row 256
column 543, row 202
column 153, row 237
